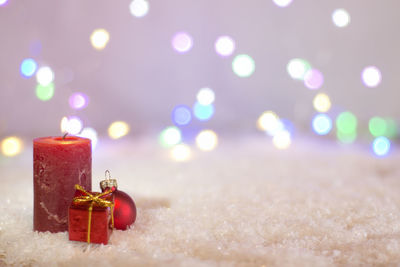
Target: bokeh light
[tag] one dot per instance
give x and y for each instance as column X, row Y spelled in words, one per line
column 78, row 100
column 391, row 128
column 341, row 17
column 282, row 3
column 45, row 92
column 170, row 136
column 313, row 79
column 28, row 67
column 371, row 76
column 243, row 65
column 11, row 146
column 99, row 38
column 203, row 112
column 90, row 133
column 207, row 140
column 181, row 152
column 205, row 96
column 139, row 8
column 282, row 139
column 288, row 126
column 45, row 76
column 381, row 146
column 297, row 68
column 181, row 115
column 346, row 126
column 3, row 2
column 182, row 42
column 322, row 124
column 118, row 129
column 377, row 126
column 322, row 102
column 270, row 123
column 224, row 46
column 71, row 125
column 346, row 123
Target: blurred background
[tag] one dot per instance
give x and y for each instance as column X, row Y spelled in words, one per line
column 191, row 73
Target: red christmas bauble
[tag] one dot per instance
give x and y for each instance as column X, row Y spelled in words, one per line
column 124, row 206
column 124, row 210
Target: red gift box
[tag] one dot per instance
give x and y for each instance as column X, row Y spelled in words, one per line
column 90, row 216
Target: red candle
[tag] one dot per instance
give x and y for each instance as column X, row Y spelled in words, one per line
column 58, row 164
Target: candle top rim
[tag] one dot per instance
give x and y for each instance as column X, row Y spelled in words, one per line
column 72, row 139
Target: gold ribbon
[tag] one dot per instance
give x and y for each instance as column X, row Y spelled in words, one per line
column 94, row 199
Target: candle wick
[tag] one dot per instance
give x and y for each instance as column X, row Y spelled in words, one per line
column 65, row 135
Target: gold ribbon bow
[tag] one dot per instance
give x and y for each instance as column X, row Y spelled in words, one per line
column 94, row 199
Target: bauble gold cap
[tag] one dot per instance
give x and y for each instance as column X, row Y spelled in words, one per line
column 108, row 182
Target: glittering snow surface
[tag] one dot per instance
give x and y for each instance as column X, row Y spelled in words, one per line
column 245, row 204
